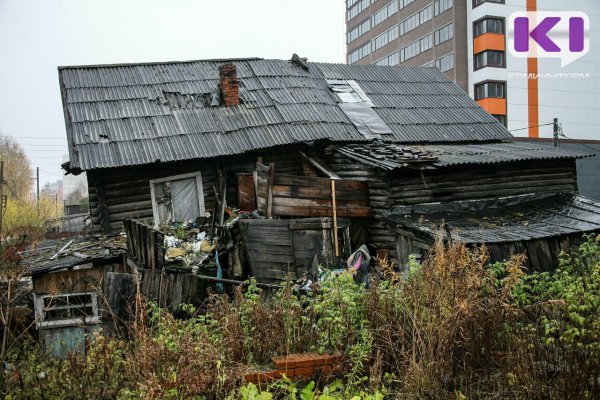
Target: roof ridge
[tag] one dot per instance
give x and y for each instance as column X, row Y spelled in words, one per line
column 134, row 64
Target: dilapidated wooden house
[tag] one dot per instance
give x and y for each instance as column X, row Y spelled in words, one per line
column 391, row 150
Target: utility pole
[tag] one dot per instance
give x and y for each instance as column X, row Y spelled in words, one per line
column 37, row 182
column 555, row 137
column 1, row 195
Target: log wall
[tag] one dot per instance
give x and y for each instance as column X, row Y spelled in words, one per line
column 117, row 194
column 406, row 187
column 378, row 233
column 480, row 182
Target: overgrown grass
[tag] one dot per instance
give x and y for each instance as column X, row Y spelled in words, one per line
column 455, row 328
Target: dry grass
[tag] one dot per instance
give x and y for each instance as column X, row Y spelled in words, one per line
column 452, row 328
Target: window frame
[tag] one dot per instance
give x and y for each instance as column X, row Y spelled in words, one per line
column 503, row 83
column 424, row 12
column 486, row 19
column 385, row 10
column 358, row 28
column 441, row 58
column 416, row 43
column 475, row 5
column 437, row 12
column 487, row 65
column 503, row 120
column 437, row 34
column 387, row 59
column 40, row 311
column 199, row 188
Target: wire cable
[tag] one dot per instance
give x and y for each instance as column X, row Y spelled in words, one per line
column 529, row 127
column 561, row 133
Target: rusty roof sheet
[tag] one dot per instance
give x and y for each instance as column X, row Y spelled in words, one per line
column 118, row 115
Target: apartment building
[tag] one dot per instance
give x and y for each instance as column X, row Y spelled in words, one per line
column 409, row 32
column 467, row 39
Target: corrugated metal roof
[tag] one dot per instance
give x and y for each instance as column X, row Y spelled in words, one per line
column 390, row 156
column 119, row 115
column 508, row 219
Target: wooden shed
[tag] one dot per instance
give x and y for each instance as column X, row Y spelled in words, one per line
column 80, row 286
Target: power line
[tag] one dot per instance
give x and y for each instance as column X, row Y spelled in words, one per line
column 37, row 144
column 37, row 137
column 529, row 127
column 561, row 133
column 51, row 173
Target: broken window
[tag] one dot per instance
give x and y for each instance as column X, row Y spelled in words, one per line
column 177, row 199
column 66, row 309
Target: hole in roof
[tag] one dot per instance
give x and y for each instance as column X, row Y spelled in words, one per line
column 349, row 91
column 187, row 101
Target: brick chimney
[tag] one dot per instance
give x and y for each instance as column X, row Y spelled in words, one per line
column 229, row 85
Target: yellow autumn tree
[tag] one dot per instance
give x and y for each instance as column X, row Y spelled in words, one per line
column 22, row 215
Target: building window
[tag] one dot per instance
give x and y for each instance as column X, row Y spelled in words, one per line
column 360, row 53
column 445, row 63
column 416, row 48
column 489, row 58
column 177, row 198
column 501, row 118
column 490, row 89
column 387, row 11
column 66, row 309
column 429, row 64
column 384, row 38
column 480, row 2
column 350, row 4
column 441, row 5
column 360, row 30
column 357, row 8
column 444, row 34
column 392, row 59
column 417, row 19
column 404, row 3
column 488, row 25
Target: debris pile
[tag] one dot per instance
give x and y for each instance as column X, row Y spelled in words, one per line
column 189, row 246
column 56, row 254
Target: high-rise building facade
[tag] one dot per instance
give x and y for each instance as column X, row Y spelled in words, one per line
column 411, row 33
column 467, row 39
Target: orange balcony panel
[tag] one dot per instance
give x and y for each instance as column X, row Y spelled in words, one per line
column 493, row 106
column 489, row 41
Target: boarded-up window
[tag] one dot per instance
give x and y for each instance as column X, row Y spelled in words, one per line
column 177, row 198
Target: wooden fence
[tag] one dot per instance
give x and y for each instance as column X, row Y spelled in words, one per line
column 145, row 244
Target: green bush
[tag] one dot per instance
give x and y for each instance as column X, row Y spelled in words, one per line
column 456, row 327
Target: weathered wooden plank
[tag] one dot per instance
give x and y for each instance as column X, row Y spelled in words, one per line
column 321, row 203
column 246, row 194
column 321, row 212
column 318, row 192
column 288, row 180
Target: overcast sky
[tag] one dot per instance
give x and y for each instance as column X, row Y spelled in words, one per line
column 36, row 36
